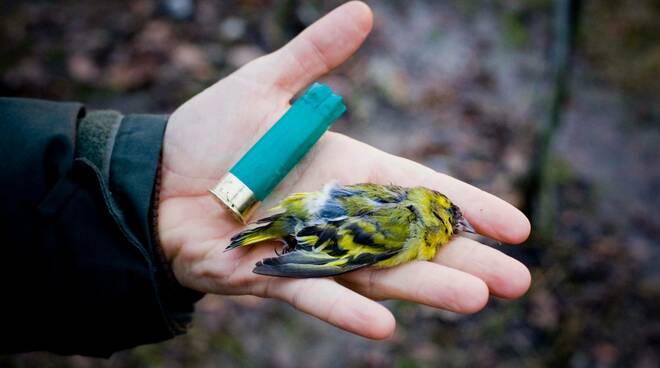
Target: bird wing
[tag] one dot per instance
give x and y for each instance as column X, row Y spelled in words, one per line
column 378, row 193
column 338, row 202
column 306, row 264
column 298, row 210
column 334, row 248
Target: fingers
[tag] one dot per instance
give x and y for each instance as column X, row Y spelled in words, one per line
column 317, row 50
column 335, row 304
column 323, row 298
column 337, row 157
column 460, row 279
column 422, row 282
column 505, row 276
column 490, row 215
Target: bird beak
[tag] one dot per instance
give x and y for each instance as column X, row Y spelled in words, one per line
column 464, row 225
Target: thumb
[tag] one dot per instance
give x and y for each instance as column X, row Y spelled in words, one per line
column 315, row 51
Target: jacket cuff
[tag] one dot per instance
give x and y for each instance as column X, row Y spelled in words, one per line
column 134, row 169
column 127, row 150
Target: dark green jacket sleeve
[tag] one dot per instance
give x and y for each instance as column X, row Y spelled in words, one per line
column 80, row 270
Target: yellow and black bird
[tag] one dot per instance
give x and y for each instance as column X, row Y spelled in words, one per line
column 345, row 228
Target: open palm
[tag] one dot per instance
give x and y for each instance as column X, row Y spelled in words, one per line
column 209, row 133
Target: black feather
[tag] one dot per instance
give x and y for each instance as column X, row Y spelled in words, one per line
column 295, row 271
column 238, row 239
column 270, row 219
column 360, row 236
column 304, row 264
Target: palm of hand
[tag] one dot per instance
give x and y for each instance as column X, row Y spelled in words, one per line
column 209, row 133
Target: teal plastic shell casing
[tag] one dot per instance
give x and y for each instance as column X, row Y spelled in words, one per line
column 269, row 160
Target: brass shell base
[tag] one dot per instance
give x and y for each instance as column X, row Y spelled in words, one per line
column 232, row 193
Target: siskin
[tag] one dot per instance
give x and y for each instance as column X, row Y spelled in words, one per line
column 345, row 228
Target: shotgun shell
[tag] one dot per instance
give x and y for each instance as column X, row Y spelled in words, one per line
column 269, row 160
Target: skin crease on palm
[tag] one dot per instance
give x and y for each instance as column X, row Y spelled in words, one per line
column 210, row 132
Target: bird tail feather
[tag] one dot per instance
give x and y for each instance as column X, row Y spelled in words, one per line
column 303, row 264
column 248, row 237
column 255, row 235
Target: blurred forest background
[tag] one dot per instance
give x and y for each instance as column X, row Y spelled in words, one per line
column 552, row 105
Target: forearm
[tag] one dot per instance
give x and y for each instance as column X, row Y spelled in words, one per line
column 82, row 274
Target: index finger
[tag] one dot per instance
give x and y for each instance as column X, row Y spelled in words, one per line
column 338, row 157
column 490, row 215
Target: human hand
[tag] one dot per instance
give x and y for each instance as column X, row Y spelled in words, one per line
column 210, row 132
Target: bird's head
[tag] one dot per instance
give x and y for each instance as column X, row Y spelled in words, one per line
column 449, row 214
column 459, row 222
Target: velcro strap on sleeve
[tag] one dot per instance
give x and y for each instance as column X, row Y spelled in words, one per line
column 95, row 138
